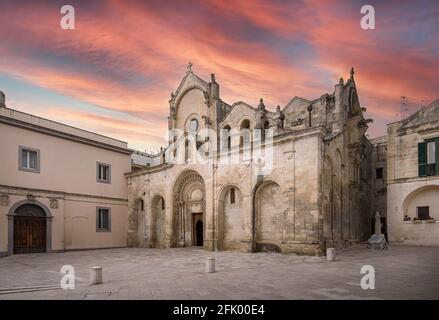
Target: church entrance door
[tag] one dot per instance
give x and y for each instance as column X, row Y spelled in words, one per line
column 198, row 229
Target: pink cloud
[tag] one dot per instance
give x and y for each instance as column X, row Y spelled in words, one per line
column 129, row 57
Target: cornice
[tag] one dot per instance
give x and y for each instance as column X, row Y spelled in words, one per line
column 63, row 135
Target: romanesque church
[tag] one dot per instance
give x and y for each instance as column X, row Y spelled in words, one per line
column 240, row 177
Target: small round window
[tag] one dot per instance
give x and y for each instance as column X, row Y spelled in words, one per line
column 193, row 126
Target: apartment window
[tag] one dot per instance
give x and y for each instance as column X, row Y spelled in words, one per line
column 423, row 213
column 103, row 172
column 379, row 173
column 28, row 159
column 103, row 220
column 428, row 158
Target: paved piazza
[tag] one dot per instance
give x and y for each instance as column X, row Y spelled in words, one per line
column 402, row 272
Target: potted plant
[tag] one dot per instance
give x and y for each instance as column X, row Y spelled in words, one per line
column 416, row 220
column 431, row 220
column 407, row 218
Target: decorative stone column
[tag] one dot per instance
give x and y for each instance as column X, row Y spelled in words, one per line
column 182, row 221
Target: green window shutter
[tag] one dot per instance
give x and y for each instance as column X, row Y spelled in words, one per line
column 422, row 159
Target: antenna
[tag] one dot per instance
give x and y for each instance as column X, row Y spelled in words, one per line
column 403, row 108
column 407, row 105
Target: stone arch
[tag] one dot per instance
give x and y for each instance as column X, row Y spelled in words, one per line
column 230, row 217
column 12, row 214
column 158, row 222
column 187, row 90
column 424, row 196
column 268, row 217
column 189, row 206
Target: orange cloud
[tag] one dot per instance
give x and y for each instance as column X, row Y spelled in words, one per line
column 128, row 57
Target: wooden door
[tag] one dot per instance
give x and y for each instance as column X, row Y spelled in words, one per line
column 29, row 234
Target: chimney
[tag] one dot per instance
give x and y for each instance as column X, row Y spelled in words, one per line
column 2, row 100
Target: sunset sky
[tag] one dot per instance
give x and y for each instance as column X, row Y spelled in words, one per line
column 114, row 73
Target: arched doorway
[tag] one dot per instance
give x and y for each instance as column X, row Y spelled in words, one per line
column 230, row 218
column 268, row 221
column 188, row 223
column 137, row 235
column 158, row 223
column 29, row 229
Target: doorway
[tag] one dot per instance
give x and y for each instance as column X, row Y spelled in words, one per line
column 29, row 229
column 198, row 231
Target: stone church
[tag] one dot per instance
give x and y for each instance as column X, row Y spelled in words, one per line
column 242, row 177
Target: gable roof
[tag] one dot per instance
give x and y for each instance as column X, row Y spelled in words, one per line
column 294, row 100
column 189, row 74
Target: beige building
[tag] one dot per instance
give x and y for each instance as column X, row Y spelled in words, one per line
column 245, row 178
column 413, row 177
column 61, row 188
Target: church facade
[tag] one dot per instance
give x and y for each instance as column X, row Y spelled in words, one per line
column 239, row 177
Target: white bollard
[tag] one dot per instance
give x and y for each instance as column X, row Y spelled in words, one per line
column 210, row 265
column 330, row 254
column 96, row 275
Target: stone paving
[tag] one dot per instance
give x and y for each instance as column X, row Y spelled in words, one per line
column 402, row 272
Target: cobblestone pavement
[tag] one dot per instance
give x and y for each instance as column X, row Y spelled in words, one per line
column 402, row 272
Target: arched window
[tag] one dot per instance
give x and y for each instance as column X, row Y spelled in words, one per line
column 193, row 126
column 226, row 133
column 265, row 127
column 232, row 195
column 245, row 133
column 163, row 204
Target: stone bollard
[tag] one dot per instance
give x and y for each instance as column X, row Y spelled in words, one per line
column 210, row 265
column 330, row 254
column 96, row 275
